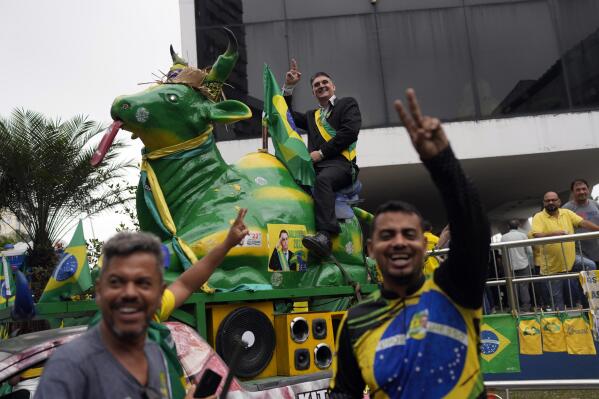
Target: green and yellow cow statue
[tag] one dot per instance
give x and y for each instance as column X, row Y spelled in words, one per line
column 188, row 195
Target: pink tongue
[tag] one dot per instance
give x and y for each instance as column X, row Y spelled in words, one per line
column 106, row 143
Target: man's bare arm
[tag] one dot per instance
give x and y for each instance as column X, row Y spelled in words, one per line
column 194, row 277
column 587, row 224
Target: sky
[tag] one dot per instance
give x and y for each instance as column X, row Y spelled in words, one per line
column 69, row 57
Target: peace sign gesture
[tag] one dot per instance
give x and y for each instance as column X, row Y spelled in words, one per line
column 426, row 133
column 293, row 76
column 238, row 229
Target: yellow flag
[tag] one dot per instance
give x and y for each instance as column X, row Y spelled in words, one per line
column 554, row 339
column 529, row 332
column 579, row 340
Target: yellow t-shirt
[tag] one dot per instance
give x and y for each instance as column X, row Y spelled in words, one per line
column 555, row 258
column 167, row 306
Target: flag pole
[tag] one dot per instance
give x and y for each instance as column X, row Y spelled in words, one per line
column 264, row 138
column 5, row 269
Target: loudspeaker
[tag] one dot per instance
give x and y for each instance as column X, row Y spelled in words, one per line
column 319, row 328
column 305, row 343
column 251, row 323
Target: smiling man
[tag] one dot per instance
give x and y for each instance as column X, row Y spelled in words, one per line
column 418, row 337
column 114, row 359
column 333, row 130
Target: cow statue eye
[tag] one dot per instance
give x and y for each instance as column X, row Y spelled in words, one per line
column 172, row 98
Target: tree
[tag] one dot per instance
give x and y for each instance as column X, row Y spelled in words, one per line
column 47, row 181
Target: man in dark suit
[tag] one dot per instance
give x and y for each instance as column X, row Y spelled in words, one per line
column 282, row 258
column 333, row 130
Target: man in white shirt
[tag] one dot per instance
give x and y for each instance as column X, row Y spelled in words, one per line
column 520, row 261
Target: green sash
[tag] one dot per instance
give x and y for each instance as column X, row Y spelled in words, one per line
column 283, row 260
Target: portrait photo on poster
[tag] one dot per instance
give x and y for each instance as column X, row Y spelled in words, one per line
column 285, row 246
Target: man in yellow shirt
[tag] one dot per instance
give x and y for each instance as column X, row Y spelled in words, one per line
column 560, row 257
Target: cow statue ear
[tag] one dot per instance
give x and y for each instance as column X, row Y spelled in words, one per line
column 229, row 111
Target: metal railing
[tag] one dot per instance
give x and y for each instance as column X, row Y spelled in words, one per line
column 540, row 285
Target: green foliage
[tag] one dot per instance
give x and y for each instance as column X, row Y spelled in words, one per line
column 47, row 181
column 128, row 209
column 94, row 250
column 13, row 238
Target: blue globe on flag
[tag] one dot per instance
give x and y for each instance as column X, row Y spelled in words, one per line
column 489, row 342
column 66, row 268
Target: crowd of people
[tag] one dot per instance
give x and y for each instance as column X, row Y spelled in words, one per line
column 425, row 318
column 579, row 215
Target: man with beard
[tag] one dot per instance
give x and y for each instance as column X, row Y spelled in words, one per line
column 114, row 359
column 560, row 257
column 418, row 337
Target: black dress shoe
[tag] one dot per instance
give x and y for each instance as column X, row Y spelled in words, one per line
column 319, row 244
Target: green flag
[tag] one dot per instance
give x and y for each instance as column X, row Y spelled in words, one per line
column 7, row 284
column 499, row 345
column 289, row 146
column 71, row 276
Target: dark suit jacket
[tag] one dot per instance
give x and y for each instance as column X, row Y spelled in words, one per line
column 345, row 118
column 275, row 263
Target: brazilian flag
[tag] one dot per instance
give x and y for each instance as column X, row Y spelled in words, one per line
column 7, row 284
column 289, row 146
column 499, row 349
column 71, row 276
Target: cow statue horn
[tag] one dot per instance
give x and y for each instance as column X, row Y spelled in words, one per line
column 225, row 63
column 176, row 58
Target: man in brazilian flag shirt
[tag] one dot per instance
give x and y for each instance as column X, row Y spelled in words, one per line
column 332, row 135
column 418, row 337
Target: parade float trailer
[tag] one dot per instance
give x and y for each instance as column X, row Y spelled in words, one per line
column 188, row 196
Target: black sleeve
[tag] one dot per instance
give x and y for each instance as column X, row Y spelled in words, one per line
column 347, row 130
column 462, row 276
column 347, row 383
column 298, row 117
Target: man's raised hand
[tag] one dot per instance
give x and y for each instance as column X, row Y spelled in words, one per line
column 238, row 230
column 426, row 133
column 293, row 75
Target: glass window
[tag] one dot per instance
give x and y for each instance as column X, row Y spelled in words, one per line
column 579, row 32
column 516, row 59
column 325, row 8
column 428, row 50
column 345, row 48
column 385, row 5
column 262, row 10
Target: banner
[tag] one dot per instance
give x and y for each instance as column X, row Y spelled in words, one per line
column 579, row 340
column 554, row 339
column 589, row 280
column 529, row 332
column 499, row 345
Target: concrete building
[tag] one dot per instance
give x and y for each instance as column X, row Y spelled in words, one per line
column 515, row 81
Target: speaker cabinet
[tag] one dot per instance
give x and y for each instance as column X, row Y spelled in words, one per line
column 305, row 343
column 251, row 323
